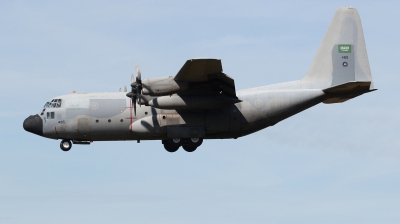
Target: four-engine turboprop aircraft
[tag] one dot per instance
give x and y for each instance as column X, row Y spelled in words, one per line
column 201, row 102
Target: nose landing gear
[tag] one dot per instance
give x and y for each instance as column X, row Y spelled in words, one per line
column 65, row 145
column 188, row 144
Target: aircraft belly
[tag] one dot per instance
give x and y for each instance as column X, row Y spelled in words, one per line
column 77, row 128
column 183, row 124
column 216, row 121
column 223, row 123
column 109, row 129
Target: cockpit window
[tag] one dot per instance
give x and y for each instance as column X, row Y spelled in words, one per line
column 55, row 103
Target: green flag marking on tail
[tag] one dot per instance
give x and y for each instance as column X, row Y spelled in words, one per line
column 344, row 48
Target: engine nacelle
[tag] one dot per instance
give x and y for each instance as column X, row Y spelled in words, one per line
column 192, row 102
column 162, row 86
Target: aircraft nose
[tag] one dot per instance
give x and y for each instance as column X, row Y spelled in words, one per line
column 34, row 124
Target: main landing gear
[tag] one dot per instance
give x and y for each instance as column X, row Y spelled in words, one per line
column 188, row 144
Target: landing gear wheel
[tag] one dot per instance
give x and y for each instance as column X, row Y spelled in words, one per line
column 65, row 145
column 169, row 148
column 172, row 145
column 191, row 144
column 189, row 148
column 195, row 142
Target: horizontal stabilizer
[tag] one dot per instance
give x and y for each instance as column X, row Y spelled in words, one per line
column 344, row 92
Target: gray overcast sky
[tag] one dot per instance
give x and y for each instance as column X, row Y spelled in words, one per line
column 330, row 164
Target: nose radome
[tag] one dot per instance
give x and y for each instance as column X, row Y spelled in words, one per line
column 34, row 124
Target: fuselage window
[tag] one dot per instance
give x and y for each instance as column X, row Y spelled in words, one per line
column 50, row 115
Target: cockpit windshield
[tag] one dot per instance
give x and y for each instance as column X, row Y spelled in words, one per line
column 55, row 103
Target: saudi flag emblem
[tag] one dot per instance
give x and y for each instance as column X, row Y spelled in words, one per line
column 344, row 48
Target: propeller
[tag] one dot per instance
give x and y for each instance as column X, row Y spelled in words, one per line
column 139, row 84
column 136, row 90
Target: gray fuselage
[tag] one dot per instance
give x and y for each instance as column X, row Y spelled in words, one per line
column 110, row 116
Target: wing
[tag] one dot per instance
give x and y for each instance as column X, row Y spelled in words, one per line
column 206, row 73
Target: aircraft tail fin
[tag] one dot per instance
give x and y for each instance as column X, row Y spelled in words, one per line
column 341, row 63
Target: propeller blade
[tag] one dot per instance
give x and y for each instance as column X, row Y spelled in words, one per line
column 125, row 90
column 138, row 84
column 138, row 95
column 138, row 74
column 136, row 90
column 134, row 106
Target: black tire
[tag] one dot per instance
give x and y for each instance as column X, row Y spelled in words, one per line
column 169, row 148
column 172, row 145
column 65, row 145
column 189, row 148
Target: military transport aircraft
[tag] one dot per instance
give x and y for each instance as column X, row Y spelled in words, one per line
column 200, row 102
